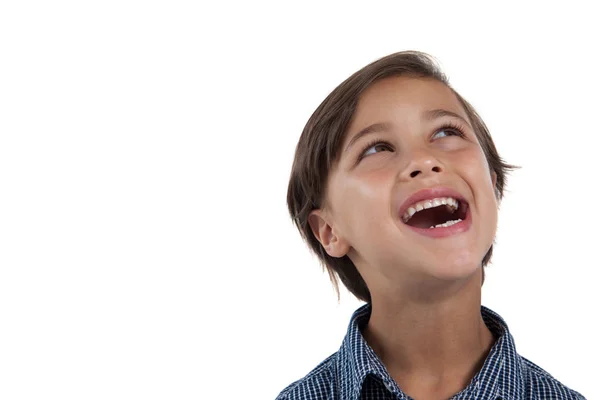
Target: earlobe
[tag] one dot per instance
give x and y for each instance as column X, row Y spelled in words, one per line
column 323, row 231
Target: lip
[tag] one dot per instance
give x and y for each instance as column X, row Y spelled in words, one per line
column 427, row 194
column 431, row 193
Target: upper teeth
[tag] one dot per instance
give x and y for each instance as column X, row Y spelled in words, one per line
column 452, row 203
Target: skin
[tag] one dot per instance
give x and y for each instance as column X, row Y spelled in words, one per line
column 426, row 323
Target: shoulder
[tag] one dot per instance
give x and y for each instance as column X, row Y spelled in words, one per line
column 545, row 386
column 316, row 385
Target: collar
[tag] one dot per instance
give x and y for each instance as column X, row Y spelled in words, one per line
column 501, row 376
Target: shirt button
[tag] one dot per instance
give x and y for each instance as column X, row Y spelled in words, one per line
column 389, row 387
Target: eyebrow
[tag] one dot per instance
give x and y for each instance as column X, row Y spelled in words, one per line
column 440, row 112
column 428, row 115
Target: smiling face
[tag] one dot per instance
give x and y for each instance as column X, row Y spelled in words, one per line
column 407, row 134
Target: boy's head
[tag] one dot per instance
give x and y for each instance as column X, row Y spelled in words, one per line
column 391, row 129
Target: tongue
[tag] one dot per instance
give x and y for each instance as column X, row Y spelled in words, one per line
column 431, row 217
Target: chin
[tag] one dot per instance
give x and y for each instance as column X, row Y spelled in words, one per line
column 455, row 267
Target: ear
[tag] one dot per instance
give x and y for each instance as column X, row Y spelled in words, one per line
column 334, row 245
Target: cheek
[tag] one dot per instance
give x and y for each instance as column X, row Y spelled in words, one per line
column 477, row 169
column 369, row 188
column 362, row 202
column 477, row 173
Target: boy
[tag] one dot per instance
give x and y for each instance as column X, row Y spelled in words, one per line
column 395, row 186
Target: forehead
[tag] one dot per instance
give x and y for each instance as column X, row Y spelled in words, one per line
column 403, row 97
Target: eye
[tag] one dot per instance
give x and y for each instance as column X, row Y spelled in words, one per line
column 450, row 130
column 374, row 144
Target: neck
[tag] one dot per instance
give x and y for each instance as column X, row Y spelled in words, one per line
column 437, row 345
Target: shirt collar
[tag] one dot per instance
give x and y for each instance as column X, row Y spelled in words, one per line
column 501, row 375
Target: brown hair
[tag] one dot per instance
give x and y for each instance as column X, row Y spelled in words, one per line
column 319, row 148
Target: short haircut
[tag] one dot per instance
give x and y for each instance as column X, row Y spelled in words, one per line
column 318, row 150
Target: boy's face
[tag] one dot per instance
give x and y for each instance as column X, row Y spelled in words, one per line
column 364, row 196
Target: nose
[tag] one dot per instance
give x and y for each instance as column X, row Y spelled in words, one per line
column 423, row 164
column 435, row 168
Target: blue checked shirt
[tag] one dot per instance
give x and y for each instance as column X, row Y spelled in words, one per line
column 355, row 372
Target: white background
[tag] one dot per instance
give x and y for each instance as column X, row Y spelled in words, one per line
column 145, row 150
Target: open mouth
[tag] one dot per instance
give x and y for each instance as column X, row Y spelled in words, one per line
column 436, row 213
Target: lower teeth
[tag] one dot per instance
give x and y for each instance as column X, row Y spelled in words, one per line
column 444, row 225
